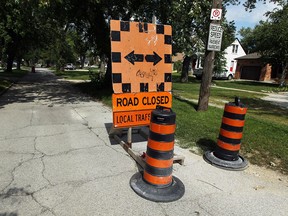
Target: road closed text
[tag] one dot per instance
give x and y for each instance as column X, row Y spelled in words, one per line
column 141, row 101
column 154, row 100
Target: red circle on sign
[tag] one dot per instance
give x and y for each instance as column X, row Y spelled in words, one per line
column 216, row 13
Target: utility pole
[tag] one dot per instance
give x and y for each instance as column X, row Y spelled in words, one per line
column 208, row 69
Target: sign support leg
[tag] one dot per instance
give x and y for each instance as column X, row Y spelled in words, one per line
column 128, row 149
column 129, row 137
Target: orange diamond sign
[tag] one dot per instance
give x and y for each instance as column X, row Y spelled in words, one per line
column 141, row 57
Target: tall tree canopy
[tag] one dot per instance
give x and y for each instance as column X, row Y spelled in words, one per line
column 21, row 28
column 29, row 27
column 269, row 38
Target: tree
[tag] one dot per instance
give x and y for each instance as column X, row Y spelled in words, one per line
column 12, row 28
column 32, row 25
column 25, row 26
column 209, row 62
column 248, row 41
column 209, row 58
column 271, row 39
column 186, row 18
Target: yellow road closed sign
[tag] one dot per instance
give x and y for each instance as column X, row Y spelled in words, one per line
column 141, row 101
column 134, row 109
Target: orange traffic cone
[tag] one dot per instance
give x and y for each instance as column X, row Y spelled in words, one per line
column 226, row 154
column 157, row 183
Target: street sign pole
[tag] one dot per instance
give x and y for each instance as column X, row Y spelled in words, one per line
column 216, row 17
column 208, row 69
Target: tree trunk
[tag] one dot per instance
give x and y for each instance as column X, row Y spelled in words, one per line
column 18, row 63
column 204, row 93
column 47, row 63
column 108, row 74
column 283, row 76
column 185, row 69
column 206, row 81
column 82, row 61
column 10, row 59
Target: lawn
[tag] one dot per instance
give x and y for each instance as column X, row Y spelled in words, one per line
column 76, row 74
column 7, row 78
column 13, row 74
column 265, row 132
column 4, row 84
column 247, row 85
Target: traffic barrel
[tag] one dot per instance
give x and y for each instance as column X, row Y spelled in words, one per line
column 156, row 183
column 226, row 155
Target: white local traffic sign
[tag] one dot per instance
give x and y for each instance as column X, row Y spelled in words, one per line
column 216, row 14
column 215, row 37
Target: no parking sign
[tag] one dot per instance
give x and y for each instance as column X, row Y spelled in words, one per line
column 216, row 14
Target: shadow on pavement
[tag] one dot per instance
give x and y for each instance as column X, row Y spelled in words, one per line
column 8, row 214
column 206, row 144
column 44, row 88
column 14, row 192
column 122, row 134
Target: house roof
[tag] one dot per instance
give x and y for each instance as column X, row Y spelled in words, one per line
column 249, row 56
column 240, row 44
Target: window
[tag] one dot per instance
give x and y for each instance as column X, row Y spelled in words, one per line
column 234, row 48
column 200, row 62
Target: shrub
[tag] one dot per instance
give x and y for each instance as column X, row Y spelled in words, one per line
column 97, row 79
column 177, row 66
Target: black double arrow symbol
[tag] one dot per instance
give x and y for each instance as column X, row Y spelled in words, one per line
column 132, row 58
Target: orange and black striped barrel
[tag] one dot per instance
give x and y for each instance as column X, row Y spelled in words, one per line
column 160, row 148
column 229, row 140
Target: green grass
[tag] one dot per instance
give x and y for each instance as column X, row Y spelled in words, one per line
column 14, row 73
column 196, row 128
column 104, row 95
column 74, row 74
column 264, row 140
column 6, row 78
column 247, row 85
column 265, row 132
column 4, row 84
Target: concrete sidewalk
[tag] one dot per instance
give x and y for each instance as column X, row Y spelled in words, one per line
column 56, row 158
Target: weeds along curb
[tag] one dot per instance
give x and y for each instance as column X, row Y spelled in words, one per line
column 6, row 89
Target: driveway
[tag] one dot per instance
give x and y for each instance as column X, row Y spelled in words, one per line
column 56, row 158
column 280, row 99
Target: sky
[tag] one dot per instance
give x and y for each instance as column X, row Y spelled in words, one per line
column 244, row 18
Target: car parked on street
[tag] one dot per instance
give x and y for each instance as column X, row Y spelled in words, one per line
column 225, row 74
column 69, row 66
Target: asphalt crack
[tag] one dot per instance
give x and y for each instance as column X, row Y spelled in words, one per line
column 210, row 184
column 96, row 134
column 43, row 171
column 13, row 175
column 44, row 208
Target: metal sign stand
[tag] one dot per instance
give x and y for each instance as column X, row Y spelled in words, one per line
column 116, row 133
column 141, row 78
column 127, row 146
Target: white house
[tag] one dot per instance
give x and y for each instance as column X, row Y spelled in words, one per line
column 232, row 52
column 235, row 50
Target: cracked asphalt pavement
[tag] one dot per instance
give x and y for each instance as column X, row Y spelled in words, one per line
column 56, row 159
